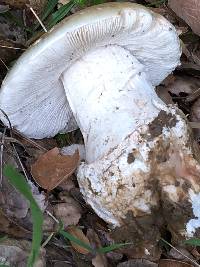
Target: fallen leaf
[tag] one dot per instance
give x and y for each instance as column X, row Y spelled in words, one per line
column 15, row 253
column 69, row 212
column 99, row 261
column 78, row 233
column 173, row 263
column 52, row 168
column 9, row 226
column 189, row 11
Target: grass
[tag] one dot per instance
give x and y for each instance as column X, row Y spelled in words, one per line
column 19, row 182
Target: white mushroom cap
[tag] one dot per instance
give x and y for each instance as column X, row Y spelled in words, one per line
column 32, row 95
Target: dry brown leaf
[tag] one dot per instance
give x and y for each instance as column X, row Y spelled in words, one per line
column 8, row 226
column 173, row 263
column 68, row 212
column 188, row 11
column 78, row 233
column 52, row 168
column 15, row 253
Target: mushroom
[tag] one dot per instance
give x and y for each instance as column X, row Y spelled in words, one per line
column 101, row 65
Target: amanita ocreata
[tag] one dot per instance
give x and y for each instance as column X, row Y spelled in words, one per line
column 97, row 70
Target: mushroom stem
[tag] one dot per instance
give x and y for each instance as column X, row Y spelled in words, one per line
column 110, row 96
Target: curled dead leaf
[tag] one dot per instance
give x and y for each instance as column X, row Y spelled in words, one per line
column 78, row 233
column 52, row 168
column 189, row 11
column 173, row 263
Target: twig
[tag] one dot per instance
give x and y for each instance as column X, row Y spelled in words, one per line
column 51, row 215
column 29, row 140
column 48, row 239
column 10, row 47
column 4, row 64
column 20, row 134
column 1, row 156
column 39, row 20
column 193, row 261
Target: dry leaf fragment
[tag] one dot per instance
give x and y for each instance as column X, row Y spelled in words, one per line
column 188, row 11
column 78, row 233
column 15, row 253
column 52, row 168
column 69, row 212
column 173, row 263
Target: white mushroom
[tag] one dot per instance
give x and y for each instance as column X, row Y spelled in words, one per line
column 32, row 94
column 104, row 62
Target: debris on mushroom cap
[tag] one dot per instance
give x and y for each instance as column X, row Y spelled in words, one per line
column 32, row 94
column 188, row 11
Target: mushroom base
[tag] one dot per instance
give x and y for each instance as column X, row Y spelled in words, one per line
column 153, row 173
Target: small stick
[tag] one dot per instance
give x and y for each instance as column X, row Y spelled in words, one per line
column 4, row 64
column 51, row 215
column 29, row 140
column 1, row 156
column 39, row 20
column 193, row 261
column 10, row 47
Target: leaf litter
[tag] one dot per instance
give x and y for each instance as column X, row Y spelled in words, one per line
column 52, row 168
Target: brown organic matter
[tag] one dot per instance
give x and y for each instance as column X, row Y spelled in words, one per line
column 36, row 4
column 189, row 11
column 173, row 263
column 52, row 168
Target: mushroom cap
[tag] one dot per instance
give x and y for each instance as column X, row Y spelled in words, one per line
column 32, row 95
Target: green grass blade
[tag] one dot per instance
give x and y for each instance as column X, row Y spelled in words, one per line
column 193, row 242
column 60, row 14
column 104, row 250
column 75, row 240
column 47, row 11
column 19, row 182
column 101, row 250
